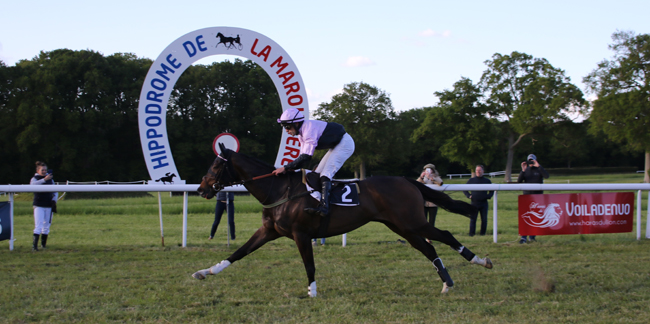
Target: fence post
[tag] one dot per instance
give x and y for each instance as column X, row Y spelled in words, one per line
column 647, row 220
column 185, row 219
column 162, row 235
column 11, row 217
column 494, row 216
column 638, row 215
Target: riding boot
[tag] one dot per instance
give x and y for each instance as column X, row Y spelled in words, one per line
column 35, row 243
column 43, row 240
column 323, row 208
column 442, row 272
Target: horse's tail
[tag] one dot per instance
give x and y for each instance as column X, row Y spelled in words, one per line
column 443, row 200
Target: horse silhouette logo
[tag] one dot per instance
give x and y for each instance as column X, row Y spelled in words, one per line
column 229, row 42
column 167, row 178
column 543, row 216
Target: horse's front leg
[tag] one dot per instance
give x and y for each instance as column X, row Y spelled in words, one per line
column 261, row 237
column 303, row 241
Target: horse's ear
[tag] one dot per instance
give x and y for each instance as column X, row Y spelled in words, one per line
column 224, row 151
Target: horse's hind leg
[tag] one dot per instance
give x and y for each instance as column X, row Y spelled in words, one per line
column 430, row 252
column 433, row 233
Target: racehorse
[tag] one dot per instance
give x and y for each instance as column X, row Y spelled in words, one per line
column 167, row 178
column 394, row 201
column 228, row 42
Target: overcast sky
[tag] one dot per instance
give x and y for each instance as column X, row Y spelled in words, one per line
column 407, row 48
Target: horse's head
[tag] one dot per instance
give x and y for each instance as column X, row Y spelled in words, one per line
column 220, row 174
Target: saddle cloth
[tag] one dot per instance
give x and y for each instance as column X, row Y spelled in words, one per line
column 345, row 192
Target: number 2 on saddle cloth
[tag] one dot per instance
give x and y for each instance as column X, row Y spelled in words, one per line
column 343, row 193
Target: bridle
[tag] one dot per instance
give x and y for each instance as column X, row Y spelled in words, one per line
column 219, row 185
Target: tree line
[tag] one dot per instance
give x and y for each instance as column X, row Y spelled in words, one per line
column 77, row 110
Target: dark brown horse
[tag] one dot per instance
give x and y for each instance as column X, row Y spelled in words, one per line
column 396, row 202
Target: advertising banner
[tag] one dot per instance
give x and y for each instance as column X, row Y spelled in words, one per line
column 583, row 213
column 5, row 221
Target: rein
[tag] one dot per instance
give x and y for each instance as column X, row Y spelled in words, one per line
column 227, row 168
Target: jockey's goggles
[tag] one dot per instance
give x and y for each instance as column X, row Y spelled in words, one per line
column 287, row 126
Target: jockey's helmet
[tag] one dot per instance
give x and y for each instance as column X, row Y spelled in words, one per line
column 290, row 116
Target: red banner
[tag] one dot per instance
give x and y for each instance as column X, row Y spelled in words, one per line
column 584, row 213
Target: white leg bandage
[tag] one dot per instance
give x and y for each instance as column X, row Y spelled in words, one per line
column 219, row 266
column 477, row 260
column 484, row 262
column 312, row 289
column 201, row 274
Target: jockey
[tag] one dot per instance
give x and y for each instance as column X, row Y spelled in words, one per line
column 317, row 135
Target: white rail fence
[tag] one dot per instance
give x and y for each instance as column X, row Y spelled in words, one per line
column 469, row 175
column 185, row 188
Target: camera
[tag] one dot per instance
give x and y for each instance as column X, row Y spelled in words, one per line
column 50, row 171
column 530, row 162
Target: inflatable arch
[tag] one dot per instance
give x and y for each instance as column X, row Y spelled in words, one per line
column 191, row 47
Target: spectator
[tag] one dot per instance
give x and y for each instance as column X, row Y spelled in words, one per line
column 322, row 241
column 531, row 172
column 480, row 200
column 430, row 175
column 44, row 205
column 224, row 198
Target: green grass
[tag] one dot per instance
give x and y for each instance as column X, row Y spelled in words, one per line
column 105, row 264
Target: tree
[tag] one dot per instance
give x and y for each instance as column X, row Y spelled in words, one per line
column 528, row 94
column 76, row 110
column 622, row 84
column 413, row 155
column 366, row 113
column 568, row 142
column 460, row 118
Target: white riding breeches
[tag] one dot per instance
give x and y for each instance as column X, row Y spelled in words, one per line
column 335, row 157
column 42, row 220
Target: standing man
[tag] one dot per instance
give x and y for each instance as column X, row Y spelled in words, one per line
column 531, row 172
column 44, row 204
column 224, row 199
column 317, row 135
column 480, row 200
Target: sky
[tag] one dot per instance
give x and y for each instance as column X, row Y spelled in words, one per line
column 409, row 49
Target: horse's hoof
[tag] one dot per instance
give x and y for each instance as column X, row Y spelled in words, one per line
column 312, row 289
column 445, row 288
column 198, row 275
column 488, row 263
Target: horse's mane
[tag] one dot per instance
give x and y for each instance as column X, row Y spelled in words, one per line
column 253, row 159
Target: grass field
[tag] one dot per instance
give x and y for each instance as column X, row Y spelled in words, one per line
column 105, row 263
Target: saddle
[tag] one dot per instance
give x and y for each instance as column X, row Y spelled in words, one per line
column 345, row 192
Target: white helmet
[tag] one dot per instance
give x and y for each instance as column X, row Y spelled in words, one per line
column 290, row 116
